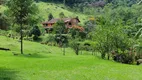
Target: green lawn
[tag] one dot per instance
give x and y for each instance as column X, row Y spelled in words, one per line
column 48, row 63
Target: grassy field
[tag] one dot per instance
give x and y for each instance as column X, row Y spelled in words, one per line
column 48, row 63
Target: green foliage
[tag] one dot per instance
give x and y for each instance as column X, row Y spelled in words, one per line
column 36, row 32
column 138, row 34
column 2, row 2
column 61, row 15
column 61, row 39
column 3, row 33
column 50, row 16
column 76, row 33
column 74, row 44
column 21, row 9
column 49, row 39
column 4, row 23
column 59, row 27
column 33, row 20
column 110, row 35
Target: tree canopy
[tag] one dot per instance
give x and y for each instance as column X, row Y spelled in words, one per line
column 20, row 10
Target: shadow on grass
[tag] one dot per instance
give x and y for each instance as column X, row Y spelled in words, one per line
column 30, row 55
column 7, row 74
column 35, row 55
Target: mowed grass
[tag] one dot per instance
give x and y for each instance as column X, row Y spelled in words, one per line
column 48, row 63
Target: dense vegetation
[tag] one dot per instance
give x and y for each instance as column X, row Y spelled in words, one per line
column 110, row 29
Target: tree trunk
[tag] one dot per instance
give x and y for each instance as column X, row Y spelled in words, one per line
column 64, row 49
column 103, row 55
column 77, row 50
column 21, row 33
column 108, row 57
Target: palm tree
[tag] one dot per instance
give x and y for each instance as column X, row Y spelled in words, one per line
column 139, row 2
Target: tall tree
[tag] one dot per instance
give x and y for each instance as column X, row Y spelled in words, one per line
column 3, row 1
column 50, row 16
column 62, row 15
column 59, row 29
column 20, row 10
column 3, row 22
column 36, row 32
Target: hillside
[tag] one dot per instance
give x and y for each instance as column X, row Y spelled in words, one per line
column 48, row 63
column 55, row 9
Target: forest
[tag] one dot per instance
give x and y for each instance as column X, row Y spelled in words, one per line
column 107, row 30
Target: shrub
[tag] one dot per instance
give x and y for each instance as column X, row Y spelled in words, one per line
column 74, row 44
column 36, row 32
column 61, row 39
column 127, row 57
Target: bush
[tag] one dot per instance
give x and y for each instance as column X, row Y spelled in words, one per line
column 36, row 32
column 3, row 32
column 49, row 39
column 75, row 45
column 127, row 58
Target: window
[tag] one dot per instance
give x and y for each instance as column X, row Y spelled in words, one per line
column 70, row 23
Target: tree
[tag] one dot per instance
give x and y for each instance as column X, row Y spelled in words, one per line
column 61, row 38
column 20, row 10
column 61, row 15
column 3, row 22
column 59, row 28
column 89, row 25
column 110, row 33
column 36, row 32
column 3, row 1
column 50, row 16
column 75, row 45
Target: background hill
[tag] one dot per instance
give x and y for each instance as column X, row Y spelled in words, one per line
column 55, row 9
column 46, row 8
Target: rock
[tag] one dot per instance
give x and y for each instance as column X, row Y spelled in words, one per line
column 139, row 61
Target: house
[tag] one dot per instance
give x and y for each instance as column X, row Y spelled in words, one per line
column 69, row 23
